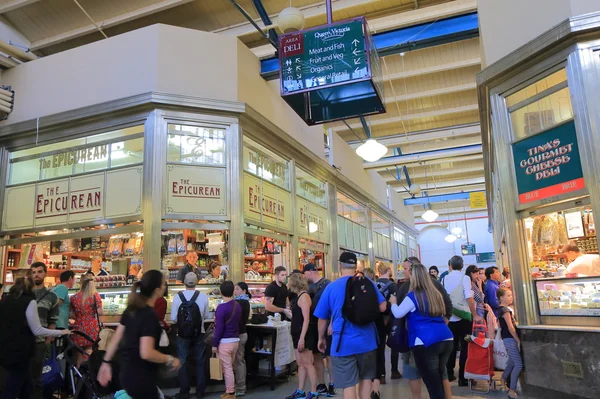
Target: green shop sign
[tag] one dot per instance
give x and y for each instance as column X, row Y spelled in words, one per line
column 548, row 164
column 323, row 57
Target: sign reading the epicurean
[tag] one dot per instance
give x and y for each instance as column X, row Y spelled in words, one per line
column 196, row 190
column 548, row 164
column 265, row 202
column 68, row 158
column 312, row 220
column 85, row 198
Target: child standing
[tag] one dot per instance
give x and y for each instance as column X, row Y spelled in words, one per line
column 511, row 341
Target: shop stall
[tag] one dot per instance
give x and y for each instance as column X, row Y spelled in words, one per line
column 539, row 111
column 168, row 169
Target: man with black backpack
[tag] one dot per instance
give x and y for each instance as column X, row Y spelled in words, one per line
column 352, row 303
column 189, row 310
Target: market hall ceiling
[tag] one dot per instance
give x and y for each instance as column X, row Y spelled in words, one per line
column 430, row 93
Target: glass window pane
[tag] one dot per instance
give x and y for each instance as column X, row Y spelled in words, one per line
column 127, row 153
column 542, row 114
column 116, row 134
column 24, row 171
column 50, row 173
column 543, row 84
column 196, row 145
column 311, row 188
column 266, row 164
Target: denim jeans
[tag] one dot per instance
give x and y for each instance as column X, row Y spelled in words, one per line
column 431, row 362
column 185, row 346
column 19, row 384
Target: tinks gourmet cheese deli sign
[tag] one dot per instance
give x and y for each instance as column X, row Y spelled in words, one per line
column 548, row 164
column 195, row 190
column 92, row 197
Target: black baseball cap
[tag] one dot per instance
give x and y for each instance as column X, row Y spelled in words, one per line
column 348, row 258
column 297, row 271
column 309, row 267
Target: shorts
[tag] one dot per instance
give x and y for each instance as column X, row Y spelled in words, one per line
column 328, row 339
column 350, row 370
column 309, row 341
column 409, row 368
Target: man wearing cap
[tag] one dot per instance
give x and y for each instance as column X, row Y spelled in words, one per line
column 353, row 351
column 186, row 345
column 316, row 286
column 191, row 266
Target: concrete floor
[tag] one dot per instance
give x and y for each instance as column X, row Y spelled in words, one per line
column 393, row 389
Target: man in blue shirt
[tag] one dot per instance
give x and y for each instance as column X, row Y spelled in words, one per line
column 354, row 358
column 491, row 287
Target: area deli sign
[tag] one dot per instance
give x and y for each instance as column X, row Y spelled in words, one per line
column 548, row 164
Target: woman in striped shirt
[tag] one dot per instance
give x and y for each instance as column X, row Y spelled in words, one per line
column 480, row 307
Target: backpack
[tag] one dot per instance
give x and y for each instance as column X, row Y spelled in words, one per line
column 361, row 303
column 384, row 288
column 189, row 318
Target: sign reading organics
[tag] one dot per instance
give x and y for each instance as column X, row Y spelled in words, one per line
column 548, row 164
column 323, row 56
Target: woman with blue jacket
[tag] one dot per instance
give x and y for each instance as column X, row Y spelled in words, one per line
column 429, row 338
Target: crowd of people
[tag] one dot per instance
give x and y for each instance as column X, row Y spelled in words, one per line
column 335, row 326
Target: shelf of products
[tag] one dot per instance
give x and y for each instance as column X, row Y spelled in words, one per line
column 569, row 297
column 261, row 256
column 548, row 237
column 118, row 253
column 209, row 246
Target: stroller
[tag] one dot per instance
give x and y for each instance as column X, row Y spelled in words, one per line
column 83, row 379
column 480, row 359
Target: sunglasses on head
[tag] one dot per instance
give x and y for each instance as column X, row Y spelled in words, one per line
column 408, row 260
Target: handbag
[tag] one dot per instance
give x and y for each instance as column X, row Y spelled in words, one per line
column 209, row 335
column 500, row 354
column 164, row 339
column 398, row 336
column 460, row 307
column 52, row 378
column 216, row 372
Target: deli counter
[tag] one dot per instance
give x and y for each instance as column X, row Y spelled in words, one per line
column 114, row 300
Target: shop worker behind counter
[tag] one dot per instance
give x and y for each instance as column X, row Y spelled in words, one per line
column 277, row 295
column 581, row 263
column 97, row 267
column 353, row 345
column 191, row 265
column 47, row 304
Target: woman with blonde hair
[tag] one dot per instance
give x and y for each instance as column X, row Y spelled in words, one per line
column 85, row 309
column 302, row 337
column 429, row 337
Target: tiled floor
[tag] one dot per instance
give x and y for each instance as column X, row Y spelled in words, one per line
column 393, row 389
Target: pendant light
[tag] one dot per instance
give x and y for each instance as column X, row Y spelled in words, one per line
column 430, row 215
column 450, row 238
column 456, row 231
column 370, row 150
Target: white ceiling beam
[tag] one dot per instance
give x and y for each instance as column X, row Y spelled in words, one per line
column 411, row 148
column 453, row 160
column 107, row 23
column 447, row 184
column 7, row 6
column 376, row 25
column 433, row 69
column 438, row 173
column 431, row 93
column 409, row 117
column 428, row 135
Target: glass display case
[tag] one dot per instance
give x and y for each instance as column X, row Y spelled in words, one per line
column 569, row 296
column 114, row 300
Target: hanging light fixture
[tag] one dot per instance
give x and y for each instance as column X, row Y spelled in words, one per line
column 450, row 238
column 371, row 150
column 430, row 215
column 456, row 231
